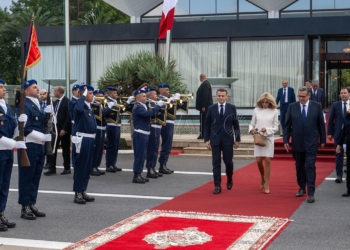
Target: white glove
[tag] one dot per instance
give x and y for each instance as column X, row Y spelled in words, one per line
column 171, row 99
column 48, row 109
column 130, row 99
column 47, row 137
column 20, row 144
column 85, row 91
column 177, row 95
column 110, row 104
column 160, row 103
column 23, row 118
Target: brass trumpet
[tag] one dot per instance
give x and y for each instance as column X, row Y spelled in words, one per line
column 186, row 96
column 165, row 103
column 121, row 106
column 101, row 99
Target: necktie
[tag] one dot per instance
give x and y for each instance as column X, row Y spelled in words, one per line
column 221, row 110
column 44, row 105
column 303, row 114
column 57, row 106
column 284, row 95
column 344, row 111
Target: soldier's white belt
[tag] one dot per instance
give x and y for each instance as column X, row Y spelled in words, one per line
column 142, row 131
column 101, row 128
column 156, row 126
column 170, row 121
column 113, row 124
column 86, row 135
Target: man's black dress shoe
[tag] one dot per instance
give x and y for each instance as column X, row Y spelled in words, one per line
column 338, row 180
column 50, row 172
column 110, row 169
column 311, row 199
column 27, row 214
column 66, row 171
column 300, row 193
column 5, row 222
column 87, row 197
column 94, row 172
column 217, row 190
column 101, row 172
column 78, row 198
column 36, row 212
column 229, row 185
column 46, row 166
column 345, row 194
column 117, row 169
column 138, row 179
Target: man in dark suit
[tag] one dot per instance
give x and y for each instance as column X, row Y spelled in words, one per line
column 221, row 125
column 335, row 124
column 316, row 93
column 287, row 96
column 203, row 100
column 63, row 123
column 305, row 123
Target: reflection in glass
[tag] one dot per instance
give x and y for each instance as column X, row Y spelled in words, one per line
column 182, row 7
column 202, row 7
column 226, row 6
column 342, row 4
column 299, row 5
column 322, row 4
column 245, row 6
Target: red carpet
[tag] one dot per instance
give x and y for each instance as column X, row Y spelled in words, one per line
column 245, row 198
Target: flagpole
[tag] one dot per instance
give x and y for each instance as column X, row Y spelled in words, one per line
column 167, row 47
column 67, row 48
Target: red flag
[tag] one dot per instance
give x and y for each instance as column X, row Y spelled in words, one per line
column 166, row 23
column 33, row 55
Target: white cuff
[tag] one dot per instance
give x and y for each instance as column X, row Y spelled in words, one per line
column 35, row 137
column 6, row 143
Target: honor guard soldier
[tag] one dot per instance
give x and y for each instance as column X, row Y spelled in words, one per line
column 153, row 143
column 99, row 109
column 167, row 132
column 84, row 140
column 113, row 132
column 29, row 177
column 71, row 103
column 141, row 119
column 8, row 125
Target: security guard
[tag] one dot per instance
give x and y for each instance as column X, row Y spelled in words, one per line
column 99, row 110
column 141, row 119
column 113, row 132
column 84, row 140
column 153, row 143
column 167, row 132
column 71, row 103
column 29, row 177
column 8, row 125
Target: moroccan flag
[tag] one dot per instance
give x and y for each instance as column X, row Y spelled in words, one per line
column 33, row 55
column 166, row 23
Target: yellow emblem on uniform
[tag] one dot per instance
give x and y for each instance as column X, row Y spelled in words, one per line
column 36, row 118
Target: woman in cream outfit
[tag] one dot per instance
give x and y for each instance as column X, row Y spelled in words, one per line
column 265, row 120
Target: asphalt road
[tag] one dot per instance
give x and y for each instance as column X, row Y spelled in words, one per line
column 322, row 225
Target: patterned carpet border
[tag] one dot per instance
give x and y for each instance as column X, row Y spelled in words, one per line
column 263, row 230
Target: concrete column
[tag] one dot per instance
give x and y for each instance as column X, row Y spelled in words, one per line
column 135, row 19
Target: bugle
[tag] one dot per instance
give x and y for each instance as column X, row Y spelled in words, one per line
column 186, row 96
column 121, row 106
column 165, row 103
column 101, row 99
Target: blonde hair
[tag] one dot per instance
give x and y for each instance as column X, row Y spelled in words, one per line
column 269, row 98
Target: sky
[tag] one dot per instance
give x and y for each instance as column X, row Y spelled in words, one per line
column 5, row 3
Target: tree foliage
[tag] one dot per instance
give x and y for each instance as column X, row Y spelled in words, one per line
column 139, row 68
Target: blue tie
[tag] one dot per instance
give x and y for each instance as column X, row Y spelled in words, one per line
column 303, row 114
column 344, row 111
column 221, row 111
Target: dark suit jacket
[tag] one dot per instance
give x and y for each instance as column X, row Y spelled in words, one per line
column 204, row 96
column 290, row 93
column 336, row 120
column 217, row 129
column 319, row 97
column 304, row 136
column 63, row 117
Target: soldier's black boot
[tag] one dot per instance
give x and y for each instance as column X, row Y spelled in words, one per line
column 168, row 169
column 151, row 173
column 78, row 198
column 36, row 212
column 27, row 214
column 87, row 197
column 4, row 221
column 163, row 170
column 3, row 227
column 138, row 179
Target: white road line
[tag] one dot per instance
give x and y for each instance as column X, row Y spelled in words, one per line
column 33, row 243
column 332, row 179
column 145, row 171
column 105, row 195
